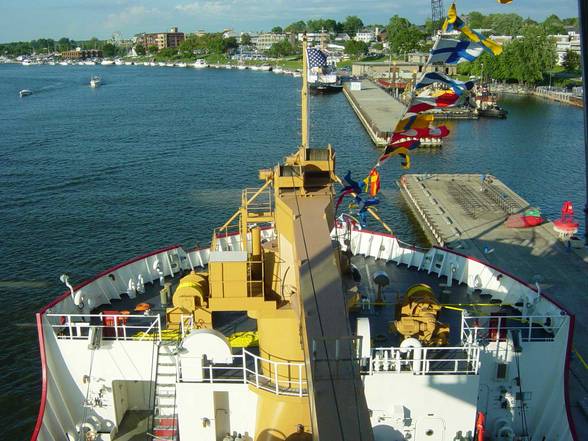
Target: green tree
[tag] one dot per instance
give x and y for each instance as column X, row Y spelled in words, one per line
column 296, row 27
column 352, row 25
column 246, row 39
column 525, row 60
column 109, row 50
column 277, row 30
column 571, row 21
column 506, row 24
column 140, row 49
column 281, row 49
column 403, row 36
column 152, row 49
column 571, row 60
column 553, row 25
column 476, row 20
column 355, row 49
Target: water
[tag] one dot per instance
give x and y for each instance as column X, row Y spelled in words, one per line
column 157, row 156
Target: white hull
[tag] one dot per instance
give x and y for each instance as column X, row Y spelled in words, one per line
column 407, row 395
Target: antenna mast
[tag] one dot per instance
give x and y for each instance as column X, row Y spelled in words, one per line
column 304, row 93
column 437, row 14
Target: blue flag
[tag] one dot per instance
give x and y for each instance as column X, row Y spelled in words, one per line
column 316, row 57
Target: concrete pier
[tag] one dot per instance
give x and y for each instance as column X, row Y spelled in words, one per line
column 467, row 213
column 378, row 111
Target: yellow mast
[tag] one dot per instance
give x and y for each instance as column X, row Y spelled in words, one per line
column 304, row 94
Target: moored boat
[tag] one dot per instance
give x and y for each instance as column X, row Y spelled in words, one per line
column 25, row 92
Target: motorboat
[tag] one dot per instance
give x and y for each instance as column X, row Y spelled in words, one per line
column 25, row 92
column 200, row 64
column 95, row 81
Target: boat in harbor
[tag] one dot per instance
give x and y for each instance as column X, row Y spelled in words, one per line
column 200, row 64
column 90, row 62
column 107, row 62
column 486, row 103
column 25, row 92
column 265, row 67
column 295, row 324
column 95, row 81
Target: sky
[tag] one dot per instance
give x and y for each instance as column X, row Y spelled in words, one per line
column 23, row 20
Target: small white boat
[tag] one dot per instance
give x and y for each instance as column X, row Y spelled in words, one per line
column 107, row 63
column 296, row 74
column 51, row 63
column 254, row 67
column 95, row 81
column 228, row 66
column 129, row 63
column 181, row 65
column 241, row 67
column 169, row 64
column 152, row 63
column 265, row 67
column 146, row 63
column 90, row 63
column 63, row 63
column 161, row 64
column 278, row 70
column 27, row 63
column 200, row 64
column 119, row 62
column 80, row 63
column 25, row 92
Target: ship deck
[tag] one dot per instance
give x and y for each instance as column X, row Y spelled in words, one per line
column 455, row 298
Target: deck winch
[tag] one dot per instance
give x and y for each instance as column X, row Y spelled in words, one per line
column 190, row 299
column 417, row 317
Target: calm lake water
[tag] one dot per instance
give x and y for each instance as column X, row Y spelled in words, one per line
column 157, row 156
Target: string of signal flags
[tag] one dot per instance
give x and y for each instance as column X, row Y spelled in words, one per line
column 415, row 124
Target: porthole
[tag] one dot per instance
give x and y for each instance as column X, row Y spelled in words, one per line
column 429, row 432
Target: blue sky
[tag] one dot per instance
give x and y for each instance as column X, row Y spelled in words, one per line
column 82, row 19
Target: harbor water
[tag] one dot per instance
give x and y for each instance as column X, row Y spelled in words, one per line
column 158, row 156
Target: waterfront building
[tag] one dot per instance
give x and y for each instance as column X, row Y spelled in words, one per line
column 265, row 40
column 366, row 36
column 314, row 37
column 402, row 69
column 342, row 37
column 564, row 43
column 163, row 40
column 81, row 54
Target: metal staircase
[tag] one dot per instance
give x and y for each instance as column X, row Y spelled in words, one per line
column 165, row 419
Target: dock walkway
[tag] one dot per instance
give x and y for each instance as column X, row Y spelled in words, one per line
column 466, row 212
column 378, row 111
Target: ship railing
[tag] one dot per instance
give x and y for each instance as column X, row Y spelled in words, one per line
column 463, row 360
column 277, row 377
column 537, row 328
column 114, row 326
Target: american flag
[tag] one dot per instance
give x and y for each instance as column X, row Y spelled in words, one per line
column 316, row 58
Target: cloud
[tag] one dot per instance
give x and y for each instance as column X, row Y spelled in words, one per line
column 206, row 7
column 130, row 15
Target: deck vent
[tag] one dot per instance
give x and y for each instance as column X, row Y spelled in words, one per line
column 501, row 370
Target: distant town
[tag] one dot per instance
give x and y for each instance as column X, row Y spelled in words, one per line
column 369, row 48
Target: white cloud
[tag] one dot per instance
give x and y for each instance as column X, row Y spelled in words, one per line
column 205, row 7
column 129, row 16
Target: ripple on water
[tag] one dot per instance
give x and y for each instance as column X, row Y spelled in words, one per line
column 90, row 178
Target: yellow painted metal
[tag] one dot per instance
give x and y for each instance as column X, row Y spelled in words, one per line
column 279, row 416
column 304, row 94
column 418, row 317
column 246, row 339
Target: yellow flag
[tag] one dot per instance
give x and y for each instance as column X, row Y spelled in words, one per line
column 421, row 121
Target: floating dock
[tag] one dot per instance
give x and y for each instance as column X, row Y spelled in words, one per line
column 466, row 212
column 378, row 111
